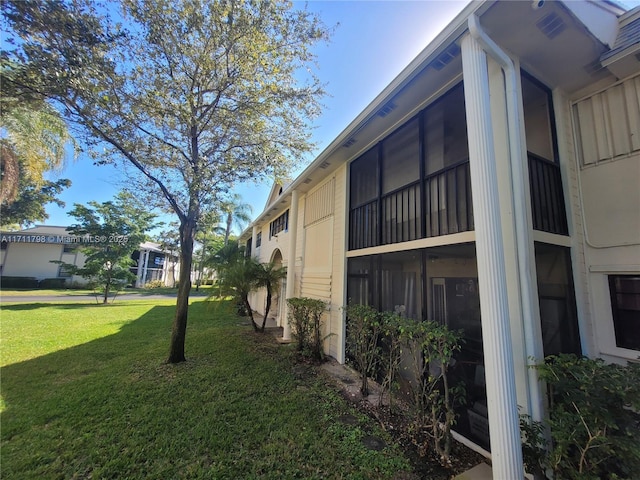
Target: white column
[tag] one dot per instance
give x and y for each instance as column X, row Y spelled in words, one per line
column 254, row 239
column 291, row 261
column 146, row 266
column 140, row 267
column 506, row 450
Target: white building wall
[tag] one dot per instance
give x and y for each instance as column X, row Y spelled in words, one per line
column 607, row 166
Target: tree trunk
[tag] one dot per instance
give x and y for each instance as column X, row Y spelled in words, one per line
column 179, row 329
column 247, row 306
column 106, row 291
column 267, row 307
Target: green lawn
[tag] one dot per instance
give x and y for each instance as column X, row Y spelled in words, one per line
column 67, row 292
column 86, row 395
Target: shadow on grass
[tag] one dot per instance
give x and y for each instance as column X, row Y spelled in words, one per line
column 70, row 411
column 111, row 408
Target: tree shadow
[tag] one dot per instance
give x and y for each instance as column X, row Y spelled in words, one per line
column 70, row 410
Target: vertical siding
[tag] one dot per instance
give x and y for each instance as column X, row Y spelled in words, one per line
column 608, row 123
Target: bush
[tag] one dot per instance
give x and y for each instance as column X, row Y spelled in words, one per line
column 53, row 283
column 593, row 419
column 18, row 282
column 154, row 284
column 432, row 347
column 364, row 328
column 304, row 318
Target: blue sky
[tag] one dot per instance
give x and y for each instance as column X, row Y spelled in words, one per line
column 373, row 42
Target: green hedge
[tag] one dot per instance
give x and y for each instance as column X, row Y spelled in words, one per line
column 18, row 282
column 53, row 283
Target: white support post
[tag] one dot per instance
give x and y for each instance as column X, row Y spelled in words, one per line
column 506, row 450
column 291, row 262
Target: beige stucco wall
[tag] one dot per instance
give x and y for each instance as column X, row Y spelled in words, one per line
column 611, row 197
column 34, row 260
column 604, row 213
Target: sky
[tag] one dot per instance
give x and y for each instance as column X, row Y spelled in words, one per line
column 372, row 43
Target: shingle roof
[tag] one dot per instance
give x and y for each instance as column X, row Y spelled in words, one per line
column 628, row 36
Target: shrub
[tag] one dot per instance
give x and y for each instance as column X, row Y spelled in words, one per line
column 18, row 282
column 154, row 284
column 364, row 328
column 392, row 328
column 53, row 283
column 432, row 347
column 593, row 419
column 304, row 317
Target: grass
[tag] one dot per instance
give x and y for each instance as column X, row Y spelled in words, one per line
column 65, row 292
column 86, row 395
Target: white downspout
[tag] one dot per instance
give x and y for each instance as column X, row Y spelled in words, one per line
column 522, row 219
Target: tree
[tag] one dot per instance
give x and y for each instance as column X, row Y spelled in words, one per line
column 240, row 277
column 37, row 137
column 109, row 233
column 197, row 95
column 269, row 275
column 29, row 205
column 34, row 141
column 235, row 212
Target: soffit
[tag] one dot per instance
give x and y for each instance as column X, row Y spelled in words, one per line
column 550, row 43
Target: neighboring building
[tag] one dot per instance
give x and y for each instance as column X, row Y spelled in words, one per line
column 492, row 186
column 28, row 253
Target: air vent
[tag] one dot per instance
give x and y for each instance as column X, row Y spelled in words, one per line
column 386, row 110
column 551, row 25
column 324, row 165
column 308, row 180
column 446, row 57
column 349, row 142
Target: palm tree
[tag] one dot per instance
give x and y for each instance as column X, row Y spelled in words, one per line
column 36, row 138
column 240, row 276
column 236, row 212
column 268, row 275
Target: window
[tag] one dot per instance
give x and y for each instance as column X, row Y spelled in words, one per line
column 445, row 130
column 415, row 182
column 545, row 180
column 538, row 118
column 258, row 239
column 279, row 224
column 3, row 245
column 441, row 284
column 69, row 248
column 625, row 305
column 556, row 297
column 247, row 250
column 400, row 157
column 63, row 272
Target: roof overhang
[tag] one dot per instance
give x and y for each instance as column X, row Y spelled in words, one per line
column 551, row 42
